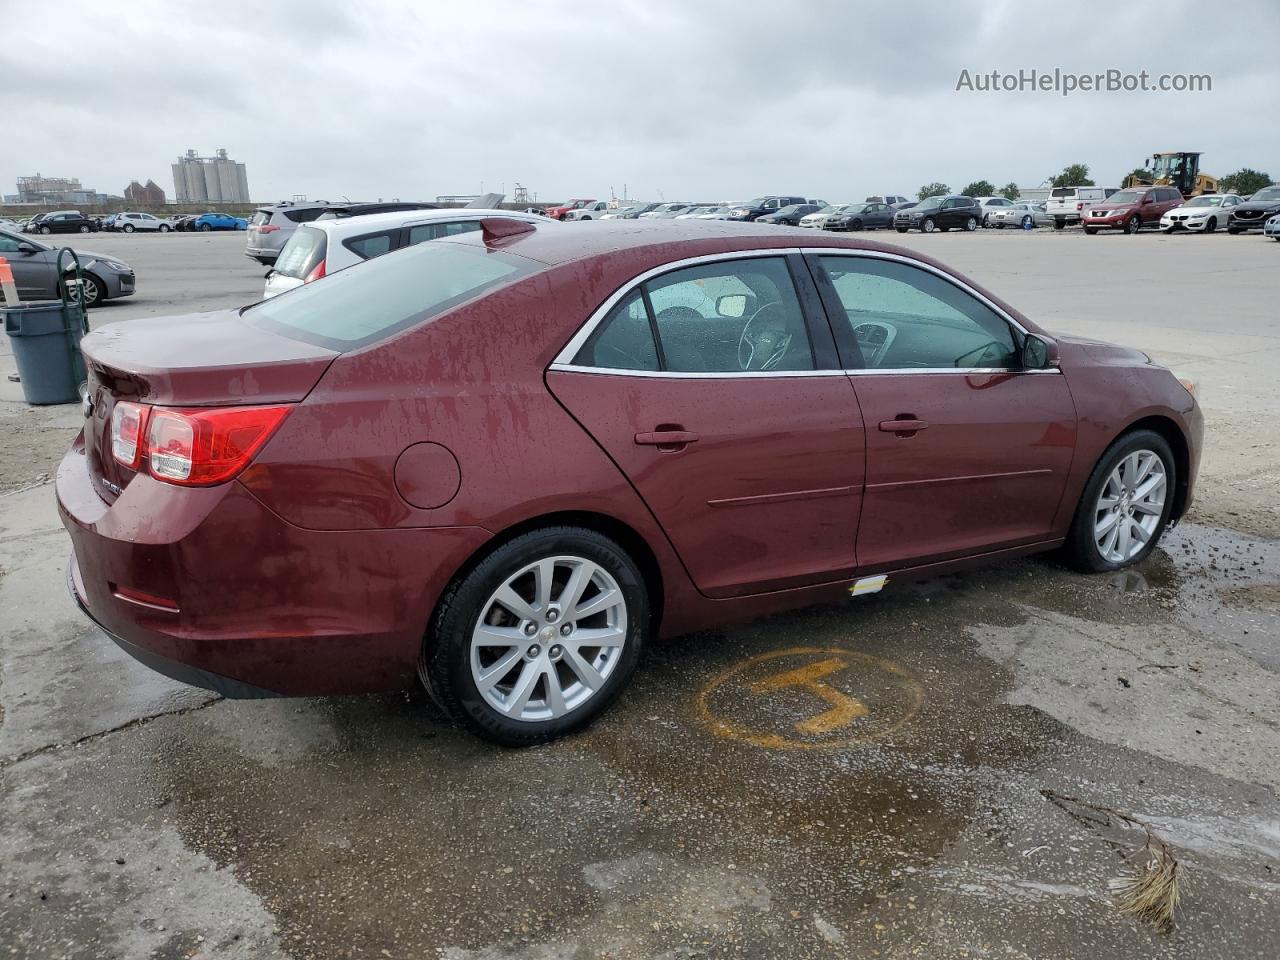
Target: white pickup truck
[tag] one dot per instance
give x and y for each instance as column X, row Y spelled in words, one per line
column 1067, row 204
column 592, row 210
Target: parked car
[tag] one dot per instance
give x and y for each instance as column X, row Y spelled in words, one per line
column 7, row 224
column 389, row 504
column 1019, row 213
column 62, row 221
column 708, row 210
column 790, row 215
column 593, row 210
column 1067, row 204
column 35, row 270
column 130, row 222
column 722, row 212
column 939, row 213
column 1255, row 211
column 271, row 226
column 818, row 219
column 1204, row 213
column 1132, row 209
column 989, row 205
column 218, row 221
column 763, row 206
column 876, row 215
column 1272, row 228
column 666, row 211
column 561, row 212
column 897, row 201
column 629, row 212
column 324, row 247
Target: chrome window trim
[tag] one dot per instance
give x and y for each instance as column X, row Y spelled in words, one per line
column 563, row 361
column 565, row 357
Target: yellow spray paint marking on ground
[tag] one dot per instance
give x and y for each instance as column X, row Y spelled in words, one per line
column 866, row 698
column 844, row 708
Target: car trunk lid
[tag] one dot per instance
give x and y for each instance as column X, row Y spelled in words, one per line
column 213, row 359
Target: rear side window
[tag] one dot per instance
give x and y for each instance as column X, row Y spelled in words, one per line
column 434, row 231
column 624, row 341
column 302, row 253
column 304, row 216
column 369, row 246
column 353, row 308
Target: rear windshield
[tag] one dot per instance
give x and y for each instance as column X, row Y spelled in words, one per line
column 304, row 216
column 1267, row 193
column 1063, row 192
column 303, row 251
column 355, row 307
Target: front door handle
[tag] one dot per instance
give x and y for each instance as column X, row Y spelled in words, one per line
column 904, row 427
column 667, row 441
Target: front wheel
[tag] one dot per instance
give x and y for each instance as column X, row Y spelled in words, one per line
column 1212, row 225
column 128, row 228
column 205, row 227
column 855, row 225
column 539, row 638
column 901, row 229
column 1233, row 230
column 1132, row 225
column 46, row 231
column 928, row 226
column 1091, row 231
column 1125, row 505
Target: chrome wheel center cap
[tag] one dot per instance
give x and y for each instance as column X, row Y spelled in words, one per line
column 547, row 635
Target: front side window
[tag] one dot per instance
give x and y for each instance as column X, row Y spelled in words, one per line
column 901, row 317
column 736, row 316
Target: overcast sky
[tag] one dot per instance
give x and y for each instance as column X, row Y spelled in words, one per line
column 698, row 99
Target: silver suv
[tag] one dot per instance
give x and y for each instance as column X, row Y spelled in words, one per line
column 271, row 227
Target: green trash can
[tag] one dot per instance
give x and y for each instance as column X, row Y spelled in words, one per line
column 45, row 336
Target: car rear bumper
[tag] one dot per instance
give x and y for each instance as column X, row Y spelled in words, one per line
column 208, row 586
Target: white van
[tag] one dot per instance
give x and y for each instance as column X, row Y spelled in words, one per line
column 1067, row 204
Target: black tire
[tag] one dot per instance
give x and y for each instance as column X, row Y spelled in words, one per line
column 445, row 668
column 205, row 228
column 128, row 228
column 1233, row 230
column 855, row 225
column 1091, row 231
column 94, row 290
column 902, row 229
column 46, row 231
column 971, row 224
column 84, row 228
column 1212, row 225
column 1080, row 550
column 1059, row 224
column 584, row 218
column 928, row 226
column 1133, row 225
column 164, row 228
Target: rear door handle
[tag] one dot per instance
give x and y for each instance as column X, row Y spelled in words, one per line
column 903, row 426
column 666, row 439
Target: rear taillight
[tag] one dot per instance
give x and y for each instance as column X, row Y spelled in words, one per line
column 1079, row 206
column 199, row 447
column 315, row 274
column 128, row 427
column 266, row 228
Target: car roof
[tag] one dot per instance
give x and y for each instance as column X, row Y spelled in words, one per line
column 373, row 222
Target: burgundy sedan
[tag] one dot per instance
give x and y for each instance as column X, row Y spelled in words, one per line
column 503, row 461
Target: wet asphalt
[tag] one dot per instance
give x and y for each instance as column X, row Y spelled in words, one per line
column 860, row 780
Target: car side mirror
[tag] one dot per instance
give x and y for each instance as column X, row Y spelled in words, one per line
column 26, row 249
column 1038, row 353
column 731, row 305
column 1146, row 200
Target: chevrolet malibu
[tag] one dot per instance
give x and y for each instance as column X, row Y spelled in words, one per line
column 502, row 462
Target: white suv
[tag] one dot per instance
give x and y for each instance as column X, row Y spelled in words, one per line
column 321, row 247
column 129, row 222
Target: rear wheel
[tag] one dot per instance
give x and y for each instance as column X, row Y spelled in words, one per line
column 1059, row 224
column 539, row 638
column 1125, row 505
column 164, row 228
column 971, row 224
column 84, row 228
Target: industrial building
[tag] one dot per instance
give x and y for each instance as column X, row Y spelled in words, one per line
column 56, row 190
column 151, row 194
column 216, row 179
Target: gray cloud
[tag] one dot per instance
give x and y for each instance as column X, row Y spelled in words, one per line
column 712, row 99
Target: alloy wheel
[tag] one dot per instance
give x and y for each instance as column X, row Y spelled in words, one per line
column 1130, row 506
column 548, row 638
column 928, row 225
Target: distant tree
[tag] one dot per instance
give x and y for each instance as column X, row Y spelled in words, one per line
column 932, row 190
column 1244, row 182
column 1010, row 191
column 979, row 188
column 1073, row 175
